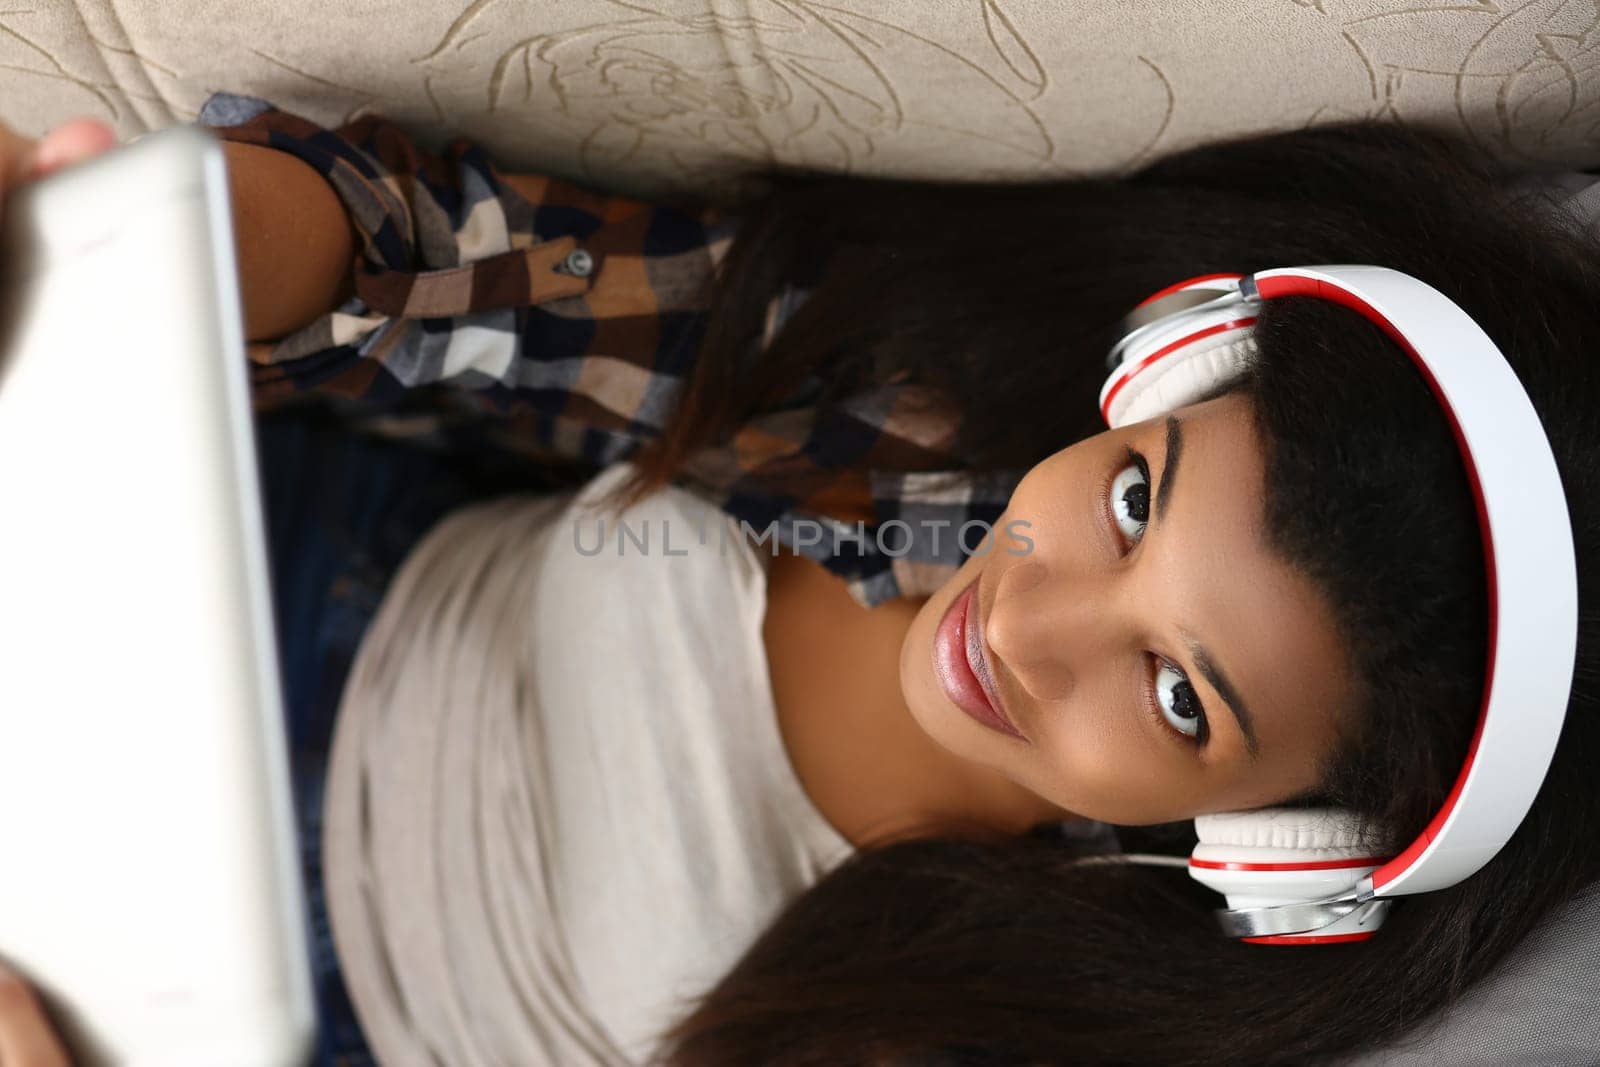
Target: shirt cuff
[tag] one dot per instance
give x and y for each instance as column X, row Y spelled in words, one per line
column 440, row 235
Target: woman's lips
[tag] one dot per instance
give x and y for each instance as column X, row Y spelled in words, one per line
column 961, row 663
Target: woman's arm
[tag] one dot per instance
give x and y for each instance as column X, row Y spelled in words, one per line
column 567, row 310
column 295, row 241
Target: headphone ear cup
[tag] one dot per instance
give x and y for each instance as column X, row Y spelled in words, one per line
column 1179, row 377
column 1282, row 855
column 1306, row 829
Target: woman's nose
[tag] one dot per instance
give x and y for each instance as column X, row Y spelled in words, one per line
column 1048, row 628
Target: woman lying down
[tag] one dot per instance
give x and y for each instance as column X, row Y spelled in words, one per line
column 892, row 685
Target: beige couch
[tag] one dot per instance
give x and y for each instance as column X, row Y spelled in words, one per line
column 655, row 95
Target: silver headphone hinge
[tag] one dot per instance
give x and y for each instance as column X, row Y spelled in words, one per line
column 1163, row 312
column 1300, row 918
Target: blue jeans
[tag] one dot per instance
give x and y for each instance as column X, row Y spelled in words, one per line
column 342, row 513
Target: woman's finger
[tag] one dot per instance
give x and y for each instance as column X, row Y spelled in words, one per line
column 26, row 1036
column 70, row 143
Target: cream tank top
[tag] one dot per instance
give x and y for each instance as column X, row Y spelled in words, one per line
column 558, row 805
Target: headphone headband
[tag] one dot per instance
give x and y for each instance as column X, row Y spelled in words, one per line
column 1529, row 559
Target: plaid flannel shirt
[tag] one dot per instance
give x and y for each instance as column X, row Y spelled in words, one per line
column 569, row 322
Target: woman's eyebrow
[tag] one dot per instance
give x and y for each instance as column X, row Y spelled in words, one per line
column 1169, row 465
column 1230, row 696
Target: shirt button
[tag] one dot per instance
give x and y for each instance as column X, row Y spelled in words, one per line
column 578, row 262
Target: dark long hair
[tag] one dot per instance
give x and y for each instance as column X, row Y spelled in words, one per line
column 1001, row 949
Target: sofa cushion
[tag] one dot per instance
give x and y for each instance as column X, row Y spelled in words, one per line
column 1538, row 1008
column 662, row 95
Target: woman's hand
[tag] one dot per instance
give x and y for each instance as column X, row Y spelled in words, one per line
column 25, row 159
column 26, row 1036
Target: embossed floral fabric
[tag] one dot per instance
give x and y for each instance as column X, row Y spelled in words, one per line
column 662, row 96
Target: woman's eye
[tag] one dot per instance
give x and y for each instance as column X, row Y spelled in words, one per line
column 1130, row 500
column 1179, row 703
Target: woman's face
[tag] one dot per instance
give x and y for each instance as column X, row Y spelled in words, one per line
column 1158, row 659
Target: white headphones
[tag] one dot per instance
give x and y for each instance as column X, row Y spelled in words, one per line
column 1298, row 876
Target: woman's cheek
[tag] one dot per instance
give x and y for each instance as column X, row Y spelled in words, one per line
column 1104, row 764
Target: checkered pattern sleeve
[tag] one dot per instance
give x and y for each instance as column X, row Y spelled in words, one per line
column 572, row 317
column 573, row 310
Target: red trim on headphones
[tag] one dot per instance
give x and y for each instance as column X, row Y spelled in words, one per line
column 1184, row 285
column 1291, row 285
column 1315, row 939
column 1308, row 865
column 1163, row 352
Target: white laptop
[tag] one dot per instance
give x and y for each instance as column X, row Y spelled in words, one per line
column 149, row 885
